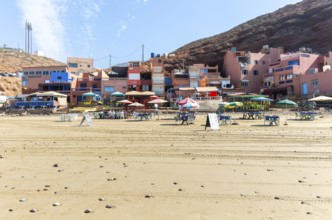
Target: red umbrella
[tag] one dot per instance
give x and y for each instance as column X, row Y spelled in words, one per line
column 125, row 101
column 157, row 101
column 187, row 100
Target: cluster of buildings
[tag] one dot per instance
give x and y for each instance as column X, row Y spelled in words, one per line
column 270, row 71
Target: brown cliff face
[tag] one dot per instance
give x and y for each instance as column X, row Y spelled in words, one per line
column 305, row 24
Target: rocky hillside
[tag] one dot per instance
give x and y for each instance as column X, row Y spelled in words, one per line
column 305, row 24
column 11, row 86
column 12, row 61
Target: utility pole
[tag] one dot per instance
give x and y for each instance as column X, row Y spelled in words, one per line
column 110, row 61
column 28, row 37
column 142, row 53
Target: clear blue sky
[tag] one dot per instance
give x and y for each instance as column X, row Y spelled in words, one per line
column 99, row 28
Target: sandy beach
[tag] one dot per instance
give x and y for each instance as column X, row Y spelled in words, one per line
column 160, row 170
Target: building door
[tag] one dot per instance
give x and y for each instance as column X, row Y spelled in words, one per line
column 305, row 88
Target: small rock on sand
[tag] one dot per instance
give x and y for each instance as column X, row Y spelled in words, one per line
column 87, row 211
column 109, row 206
column 33, row 210
column 56, row 204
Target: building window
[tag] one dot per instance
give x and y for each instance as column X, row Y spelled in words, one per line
column 245, row 72
column 95, row 86
column 145, row 87
column 244, row 83
column 282, row 78
column 314, row 82
column 72, row 65
column 109, row 89
column 45, row 73
column 26, row 73
column 289, row 76
column 88, row 65
column 263, row 62
column 256, row 62
column 25, row 82
column 83, row 85
column 256, row 72
column 31, row 73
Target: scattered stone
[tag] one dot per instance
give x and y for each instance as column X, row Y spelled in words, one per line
column 109, row 206
column 148, row 196
column 55, row 165
column 269, row 170
column 276, row 197
column 33, row 210
column 101, row 199
column 11, row 210
column 87, row 211
column 23, row 200
column 180, row 190
column 300, row 181
column 318, row 197
column 56, row 204
column 175, row 183
column 202, row 186
column 66, row 187
column 47, row 186
column 308, row 213
column 111, row 179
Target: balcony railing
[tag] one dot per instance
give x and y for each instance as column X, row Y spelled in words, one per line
column 86, row 89
column 89, row 79
column 34, row 104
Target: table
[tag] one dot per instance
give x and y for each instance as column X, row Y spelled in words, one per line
column 187, row 118
column 253, row 115
column 223, row 119
column 146, row 116
column 307, row 115
column 68, row 117
column 274, row 119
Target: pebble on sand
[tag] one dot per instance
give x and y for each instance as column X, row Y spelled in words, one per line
column 33, row 210
column 87, row 211
column 23, row 200
column 101, row 199
column 56, row 204
column 109, row 206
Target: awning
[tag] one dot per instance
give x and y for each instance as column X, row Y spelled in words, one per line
column 206, row 89
column 186, row 88
column 50, row 93
column 135, row 93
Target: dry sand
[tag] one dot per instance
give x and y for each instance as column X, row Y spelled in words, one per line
column 160, row 170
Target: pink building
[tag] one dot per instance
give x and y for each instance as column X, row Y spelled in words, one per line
column 301, row 74
column 247, row 70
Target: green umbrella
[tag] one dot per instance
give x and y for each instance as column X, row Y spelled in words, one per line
column 287, row 102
